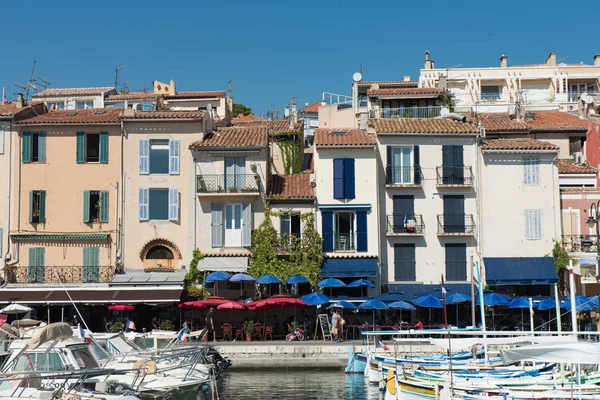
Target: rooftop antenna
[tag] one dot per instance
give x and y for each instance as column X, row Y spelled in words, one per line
column 44, row 84
column 117, row 72
column 229, row 88
column 31, row 84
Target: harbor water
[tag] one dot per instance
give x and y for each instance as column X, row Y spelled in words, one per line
column 297, row 385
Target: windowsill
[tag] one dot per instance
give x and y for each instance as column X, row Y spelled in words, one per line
column 34, row 162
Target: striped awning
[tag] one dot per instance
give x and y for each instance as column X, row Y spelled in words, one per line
column 61, row 236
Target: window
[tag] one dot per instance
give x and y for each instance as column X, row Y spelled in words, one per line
column 401, row 165
column 41, row 361
column 533, row 224
column 404, row 262
column 84, row 358
column 344, row 231
column 455, row 219
column 159, row 156
column 343, row 178
column 531, row 171
column 491, row 92
column 34, row 147
column 84, row 104
column 37, row 206
column 290, row 227
column 158, row 204
column 235, row 173
column 160, row 253
column 453, row 166
column 231, row 225
column 456, row 261
column 55, row 105
column 36, row 271
column 95, row 206
column 92, row 147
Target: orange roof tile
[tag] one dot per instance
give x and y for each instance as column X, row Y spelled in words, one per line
column 422, row 125
column 107, row 116
column 296, row 186
column 569, row 167
column 580, row 190
column 169, row 115
column 343, row 137
column 555, row 120
column 195, row 95
column 10, row 110
column 275, row 127
column 403, row 91
column 390, row 83
column 501, row 123
column 233, row 138
column 249, row 117
column 57, row 92
column 517, row 144
column 132, row 96
column 313, row 108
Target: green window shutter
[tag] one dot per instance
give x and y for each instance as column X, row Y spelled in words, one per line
column 41, row 266
column 80, row 147
column 42, row 147
column 86, row 206
column 35, row 270
column 31, row 206
column 104, row 206
column 26, row 147
column 91, row 265
column 42, row 206
column 103, row 147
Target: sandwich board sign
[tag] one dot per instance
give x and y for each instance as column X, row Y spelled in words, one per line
column 323, row 322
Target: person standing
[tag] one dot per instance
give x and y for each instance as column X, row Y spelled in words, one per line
column 210, row 325
column 340, row 327
column 334, row 326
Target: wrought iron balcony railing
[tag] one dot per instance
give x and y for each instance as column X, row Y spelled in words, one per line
column 59, row 274
column 454, row 175
column 406, row 112
column 344, row 242
column 456, row 224
column 405, row 224
column 580, row 243
column 403, row 175
column 248, row 183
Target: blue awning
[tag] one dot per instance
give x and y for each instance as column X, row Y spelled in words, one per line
column 413, row 290
column 349, row 267
column 520, row 271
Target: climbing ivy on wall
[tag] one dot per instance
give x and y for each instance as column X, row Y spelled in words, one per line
column 291, row 152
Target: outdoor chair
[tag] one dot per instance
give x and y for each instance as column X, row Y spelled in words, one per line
column 269, row 332
column 257, row 332
column 226, row 331
column 239, row 333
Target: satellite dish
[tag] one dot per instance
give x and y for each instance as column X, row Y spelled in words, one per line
column 586, row 98
column 357, row 76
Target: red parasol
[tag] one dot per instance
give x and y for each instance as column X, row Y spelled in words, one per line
column 121, row 307
column 231, row 305
column 211, row 301
column 274, row 302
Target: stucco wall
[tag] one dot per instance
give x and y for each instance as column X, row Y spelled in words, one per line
column 193, row 105
column 332, row 117
column 5, row 136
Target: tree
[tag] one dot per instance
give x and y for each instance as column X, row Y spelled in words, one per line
column 449, row 100
column 561, row 262
column 241, row 109
column 307, row 254
column 265, row 243
column 291, row 153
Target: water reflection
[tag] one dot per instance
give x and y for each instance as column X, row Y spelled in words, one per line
column 290, row 384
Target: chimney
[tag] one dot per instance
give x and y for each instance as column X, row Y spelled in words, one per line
column 172, row 90
column 406, row 78
column 20, row 101
column 597, row 59
column 286, row 112
column 503, row 61
column 323, row 103
column 551, row 59
column 128, row 112
column 428, row 63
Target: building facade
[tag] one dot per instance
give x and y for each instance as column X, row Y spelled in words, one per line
column 74, row 98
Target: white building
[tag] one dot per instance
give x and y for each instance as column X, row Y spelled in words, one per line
column 74, row 98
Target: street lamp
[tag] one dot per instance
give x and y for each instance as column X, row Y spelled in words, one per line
column 594, row 220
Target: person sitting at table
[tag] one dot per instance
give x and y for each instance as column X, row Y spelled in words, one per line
column 419, row 325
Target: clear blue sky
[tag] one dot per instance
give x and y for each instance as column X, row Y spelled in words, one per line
column 276, row 49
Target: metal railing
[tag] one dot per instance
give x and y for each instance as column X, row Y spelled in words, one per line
column 456, row 223
column 403, row 175
column 490, row 96
column 410, row 224
column 58, row 274
column 573, row 95
column 580, row 243
column 344, row 242
column 248, row 183
column 334, row 98
column 406, row 112
column 451, row 175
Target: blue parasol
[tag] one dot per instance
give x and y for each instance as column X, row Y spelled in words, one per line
column 296, row 279
column 315, row 299
column 217, row 276
column 343, row 304
column 429, row 301
column 403, row 305
column 373, row 305
column 456, row 298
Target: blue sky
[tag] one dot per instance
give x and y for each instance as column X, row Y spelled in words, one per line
column 275, row 50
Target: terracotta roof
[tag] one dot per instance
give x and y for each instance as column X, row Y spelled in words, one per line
column 76, row 117
column 390, row 83
column 57, row 92
column 421, row 125
column 343, row 137
column 10, row 109
column 351, row 255
column 501, row 123
column 166, row 115
column 233, row 137
column 224, row 254
column 402, row 91
column 554, row 120
column 195, row 95
column 517, row 144
column 313, row 108
column 296, row 186
column 275, row 127
column 569, row 167
column 580, row 189
column 249, row 117
column 132, row 96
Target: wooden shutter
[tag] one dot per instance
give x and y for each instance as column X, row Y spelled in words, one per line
column 246, row 224
column 103, row 147
column 80, row 147
column 404, row 210
column 349, row 178
column 42, row 147
column 338, row 178
column 173, row 204
column 535, row 171
column 217, row 224
column 143, row 204
column 174, row 157
column 533, row 224
column 91, row 265
column 538, row 224
column 526, row 171
column 36, row 261
column 362, row 242
column 404, row 262
column 456, row 261
column 86, row 206
column 327, row 229
column 144, row 156
column 104, row 206
column 284, row 227
column 26, row 147
column 42, row 206
column 31, row 194
column 417, row 165
column 389, row 172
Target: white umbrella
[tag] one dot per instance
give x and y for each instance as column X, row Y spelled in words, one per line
column 15, row 308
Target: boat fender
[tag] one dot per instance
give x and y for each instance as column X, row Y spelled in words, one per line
column 205, row 388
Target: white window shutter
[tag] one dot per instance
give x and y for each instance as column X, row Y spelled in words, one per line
column 528, row 224
column 174, row 157
column 526, row 171
column 538, row 224
column 536, row 172
column 1, row 138
column 173, row 204
column 143, row 204
column 144, row 157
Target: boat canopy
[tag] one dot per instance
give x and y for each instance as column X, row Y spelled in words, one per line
column 566, row 352
column 55, row 331
column 467, row 343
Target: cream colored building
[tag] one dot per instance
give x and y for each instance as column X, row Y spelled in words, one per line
column 74, row 98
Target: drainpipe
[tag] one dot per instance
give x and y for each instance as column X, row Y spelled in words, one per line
column 116, row 239
column 7, row 255
column 122, row 233
column 478, row 196
column 554, row 160
column 377, row 217
column 15, row 258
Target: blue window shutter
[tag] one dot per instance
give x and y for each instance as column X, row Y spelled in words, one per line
column 217, row 224
column 246, row 224
column 389, row 171
column 417, row 165
column 31, row 206
column 143, row 204
column 80, row 147
column 144, row 156
column 104, row 206
column 361, row 232
column 173, row 157
column 284, row 227
column 338, row 178
column 86, row 206
column 26, row 147
column 349, row 178
column 42, row 147
column 103, row 147
column 173, row 204
column 42, row 206
column 327, row 228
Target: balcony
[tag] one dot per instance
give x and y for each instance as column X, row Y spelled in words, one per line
column 449, row 176
column 58, row 275
column 456, row 225
column 405, row 225
column 221, row 184
column 573, row 96
column 580, row 243
column 344, row 242
column 403, row 176
column 406, row 112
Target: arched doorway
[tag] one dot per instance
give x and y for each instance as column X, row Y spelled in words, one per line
column 160, row 255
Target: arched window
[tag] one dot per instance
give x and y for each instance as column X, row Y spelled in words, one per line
column 159, row 253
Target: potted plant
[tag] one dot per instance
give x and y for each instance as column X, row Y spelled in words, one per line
column 248, row 329
column 97, row 206
column 119, row 268
column 253, row 166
